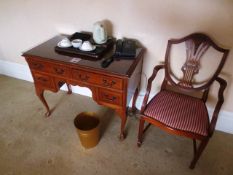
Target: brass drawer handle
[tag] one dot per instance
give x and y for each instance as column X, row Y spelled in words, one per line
column 113, row 98
column 84, row 77
column 42, row 79
column 59, row 70
column 106, row 83
column 37, row 66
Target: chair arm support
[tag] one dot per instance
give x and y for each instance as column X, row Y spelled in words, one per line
column 149, row 84
column 218, row 106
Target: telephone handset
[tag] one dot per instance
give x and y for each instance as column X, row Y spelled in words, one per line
column 125, row 48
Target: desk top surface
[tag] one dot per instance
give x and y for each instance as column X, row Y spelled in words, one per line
column 46, row 50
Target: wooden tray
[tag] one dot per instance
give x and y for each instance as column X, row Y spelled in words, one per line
column 100, row 50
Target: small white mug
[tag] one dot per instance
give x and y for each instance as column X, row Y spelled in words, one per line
column 76, row 43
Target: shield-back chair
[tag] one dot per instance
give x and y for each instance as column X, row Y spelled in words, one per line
column 174, row 108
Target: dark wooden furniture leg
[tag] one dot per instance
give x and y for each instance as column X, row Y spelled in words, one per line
column 194, row 146
column 69, row 88
column 122, row 114
column 198, row 153
column 134, row 109
column 141, row 130
column 40, row 94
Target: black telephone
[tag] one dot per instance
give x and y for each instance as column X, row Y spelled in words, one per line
column 125, row 48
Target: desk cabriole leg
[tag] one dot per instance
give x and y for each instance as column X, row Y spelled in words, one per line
column 123, row 116
column 40, row 94
column 135, row 96
column 69, row 88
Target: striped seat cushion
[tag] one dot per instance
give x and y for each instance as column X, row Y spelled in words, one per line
column 179, row 111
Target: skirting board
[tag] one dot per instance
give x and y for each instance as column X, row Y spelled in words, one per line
column 225, row 121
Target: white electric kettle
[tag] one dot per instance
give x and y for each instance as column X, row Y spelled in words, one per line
column 99, row 33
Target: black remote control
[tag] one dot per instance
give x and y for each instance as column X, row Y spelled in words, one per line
column 106, row 62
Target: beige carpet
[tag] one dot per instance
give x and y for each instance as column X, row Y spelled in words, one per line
column 32, row 144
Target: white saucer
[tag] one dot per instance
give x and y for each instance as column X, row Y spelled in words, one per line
column 88, row 50
column 62, row 46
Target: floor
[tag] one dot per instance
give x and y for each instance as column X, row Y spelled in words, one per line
column 32, row 144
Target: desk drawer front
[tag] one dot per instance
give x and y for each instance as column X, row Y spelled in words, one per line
column 55, row 69
column 85, row 77
column 60, row 70
column 110, row 97
column 38, row 65
column 111, row 82
column 43, row 80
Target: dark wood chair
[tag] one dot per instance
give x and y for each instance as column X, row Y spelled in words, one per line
column 177, row 108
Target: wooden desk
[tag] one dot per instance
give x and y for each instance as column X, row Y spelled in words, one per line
column 113, row 86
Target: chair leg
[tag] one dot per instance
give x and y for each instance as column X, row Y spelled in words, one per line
column 194, row 146
column 140, row 132
column 147, row 127
column 198, row 153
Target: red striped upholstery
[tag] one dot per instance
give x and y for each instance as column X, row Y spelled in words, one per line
column 179, row 112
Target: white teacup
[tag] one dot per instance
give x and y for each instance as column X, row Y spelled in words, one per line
column 76, row 43
column 87, row 46
column 64, row 43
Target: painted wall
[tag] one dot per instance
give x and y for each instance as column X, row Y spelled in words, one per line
column 26, row 23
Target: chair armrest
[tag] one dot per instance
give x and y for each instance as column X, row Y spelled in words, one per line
column 218, row 106
column 148, row 89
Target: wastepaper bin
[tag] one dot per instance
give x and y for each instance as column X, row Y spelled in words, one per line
column 87, row 124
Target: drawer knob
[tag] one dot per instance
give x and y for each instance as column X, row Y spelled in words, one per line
column 83, row 77
column 106, row 96
column 37, row 66
column 59, row 70
column 107, row 83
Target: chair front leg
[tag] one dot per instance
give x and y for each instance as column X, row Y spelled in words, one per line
column 140, row 131
column 198, row 153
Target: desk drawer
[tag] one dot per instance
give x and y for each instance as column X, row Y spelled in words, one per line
column 110, row 82
column 43, row 80
column 110, row 97
column 59, row 70
column 83, row 76
column 38, row 65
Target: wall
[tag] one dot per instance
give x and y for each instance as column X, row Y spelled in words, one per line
column 26, row 23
